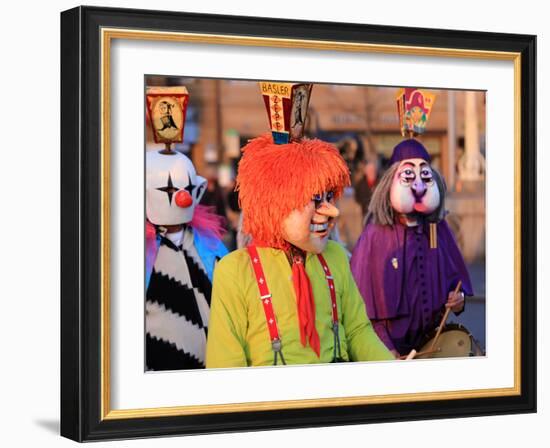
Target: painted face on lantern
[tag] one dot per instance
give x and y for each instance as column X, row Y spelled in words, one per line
column 309, row 228
column 172, row 188
column 414, row 189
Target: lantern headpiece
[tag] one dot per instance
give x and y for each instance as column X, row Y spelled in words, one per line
column 167, row 107
column 286, row 105
column 414, row 107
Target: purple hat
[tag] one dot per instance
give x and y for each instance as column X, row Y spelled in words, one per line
column 410, row 149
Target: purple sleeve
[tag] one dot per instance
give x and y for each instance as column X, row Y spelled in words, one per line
column 360, row 269
column 379, row 282
column 360, row 252
column 382, row 332
column 455, row 266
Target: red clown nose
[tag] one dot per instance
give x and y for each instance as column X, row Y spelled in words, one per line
column 183, row 199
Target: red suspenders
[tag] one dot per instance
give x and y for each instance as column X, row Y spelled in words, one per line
column 265, row 297
column 330, row 280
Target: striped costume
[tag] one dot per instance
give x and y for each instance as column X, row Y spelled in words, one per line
column 177, row 304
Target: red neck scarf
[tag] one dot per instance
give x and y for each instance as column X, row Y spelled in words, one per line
column 305, row 302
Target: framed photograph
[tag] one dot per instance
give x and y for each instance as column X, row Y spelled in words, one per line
column 161, row 115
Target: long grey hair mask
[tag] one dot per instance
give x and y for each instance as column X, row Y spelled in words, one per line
column 380, row 209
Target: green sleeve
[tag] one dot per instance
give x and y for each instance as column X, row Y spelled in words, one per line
column 363, row 342
column 227, row 326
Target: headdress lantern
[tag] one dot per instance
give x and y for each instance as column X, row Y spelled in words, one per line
column 173, row 188
column 286, row 105
column 414, row 107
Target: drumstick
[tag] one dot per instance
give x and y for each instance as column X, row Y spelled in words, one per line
column 445, row 316
column 411, row 355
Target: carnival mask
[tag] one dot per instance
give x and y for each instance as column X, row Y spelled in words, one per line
column 414, row 189
column 309, row 228
column 172, row 187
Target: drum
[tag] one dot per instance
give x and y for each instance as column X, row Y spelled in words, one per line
column 455, row 341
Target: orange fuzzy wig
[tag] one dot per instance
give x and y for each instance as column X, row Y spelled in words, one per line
column 273, row 180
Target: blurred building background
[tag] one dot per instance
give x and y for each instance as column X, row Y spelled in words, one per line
column 362, row 122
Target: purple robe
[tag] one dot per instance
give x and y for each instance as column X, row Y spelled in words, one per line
column 404, row 283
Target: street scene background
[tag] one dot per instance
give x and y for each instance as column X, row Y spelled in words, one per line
column 362, row 122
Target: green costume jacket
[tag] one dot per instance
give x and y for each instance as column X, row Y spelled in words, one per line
column 237, row 331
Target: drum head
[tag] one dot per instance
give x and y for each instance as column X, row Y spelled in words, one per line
column 454, row 341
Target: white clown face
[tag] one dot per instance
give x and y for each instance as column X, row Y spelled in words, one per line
column 172, row 188
column 414, row 189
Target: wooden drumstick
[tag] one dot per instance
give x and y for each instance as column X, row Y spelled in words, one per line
column 445, row 316
column 411, row 355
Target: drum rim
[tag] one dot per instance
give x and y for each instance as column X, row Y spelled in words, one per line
column 453, row 326
column 448, row 327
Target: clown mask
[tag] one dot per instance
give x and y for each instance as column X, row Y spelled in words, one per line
column 173, row 188
column 309, row 228
column 413, row 189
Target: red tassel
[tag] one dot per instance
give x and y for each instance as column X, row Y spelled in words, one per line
column 306, row 306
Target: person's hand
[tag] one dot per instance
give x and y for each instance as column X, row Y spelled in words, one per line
column 455, row 301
